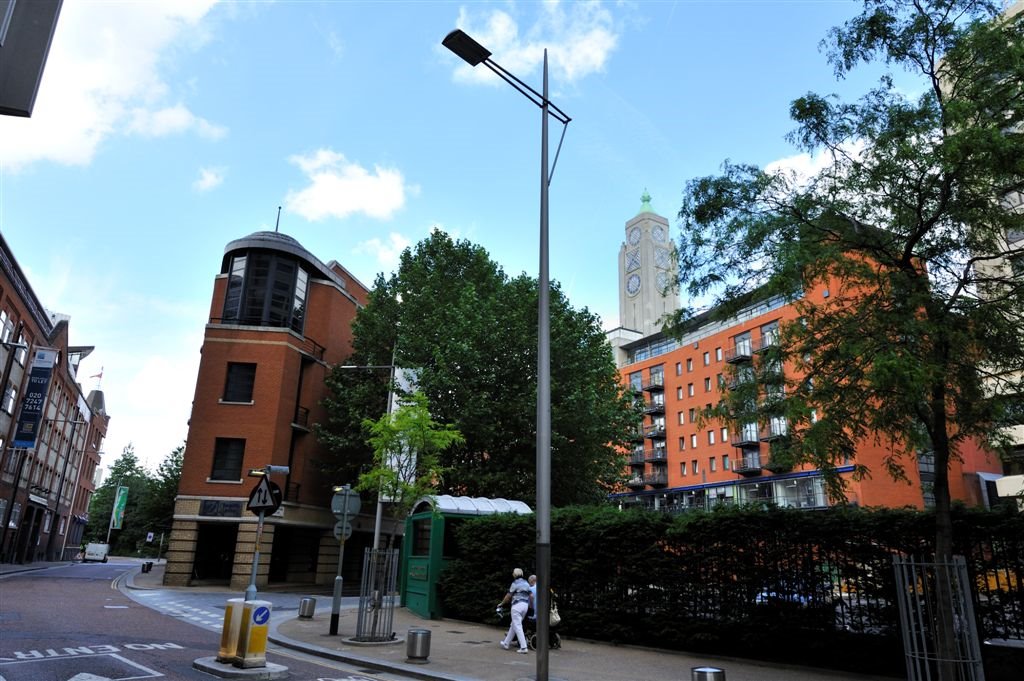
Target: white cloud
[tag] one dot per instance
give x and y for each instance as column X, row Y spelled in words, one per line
column 387, row 252
column 338, row 188
column 171, row 120
column 103, row 77
column 208, row 179
column 579, row 37
column 803, row 167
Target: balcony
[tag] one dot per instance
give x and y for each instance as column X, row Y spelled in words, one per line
column 657, row 454
column 766, row 342
column 637, row 458
column 749, row 463
column 747, row 436
column 655, row 432
column 654, row 384
column 637, row 435
column 658, row 478
column 776, row 429
column 741, row 352
column 636, row 481
column 655, row 407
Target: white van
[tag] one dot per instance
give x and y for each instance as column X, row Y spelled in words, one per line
column 96, row 552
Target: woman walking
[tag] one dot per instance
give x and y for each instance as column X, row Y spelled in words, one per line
column 519, row 596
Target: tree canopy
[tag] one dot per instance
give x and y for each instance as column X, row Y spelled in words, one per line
column 915, row 225
column 150, row 504
column 470, row 333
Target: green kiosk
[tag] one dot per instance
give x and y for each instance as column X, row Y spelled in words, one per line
column 429, row 542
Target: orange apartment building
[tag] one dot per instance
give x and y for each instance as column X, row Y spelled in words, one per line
column 279, row 318
column 676, row 464
column 51, row 431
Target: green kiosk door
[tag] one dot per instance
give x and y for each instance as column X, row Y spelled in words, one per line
column 428, row 544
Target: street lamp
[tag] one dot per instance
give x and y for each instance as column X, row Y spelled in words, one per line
column 378, row 521
column 474, row 53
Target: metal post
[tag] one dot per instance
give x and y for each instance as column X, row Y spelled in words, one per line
column 543, row 406
column 161, row 547
column 250, row 591
column 338, row 579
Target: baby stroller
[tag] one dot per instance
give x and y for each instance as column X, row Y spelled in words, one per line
column 530, row 627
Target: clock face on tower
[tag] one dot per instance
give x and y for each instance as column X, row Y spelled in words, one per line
column 658, row 233
column 634, row 236
column 633, row 284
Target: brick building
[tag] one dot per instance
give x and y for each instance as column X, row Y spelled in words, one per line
column 51, row 431
column 675, row 463
column 279, row 317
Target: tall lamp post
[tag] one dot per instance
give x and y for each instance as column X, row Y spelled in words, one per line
column 379, row 519
column 474, row 53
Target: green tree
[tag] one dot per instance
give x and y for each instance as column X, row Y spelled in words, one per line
column 405, row 448
column 125, row 472
column 157, row 507
column 911, row 223
column 470, row 332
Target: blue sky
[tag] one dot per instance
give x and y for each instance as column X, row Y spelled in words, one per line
column 164, row 130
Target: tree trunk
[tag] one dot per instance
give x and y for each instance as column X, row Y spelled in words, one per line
column 943, row 619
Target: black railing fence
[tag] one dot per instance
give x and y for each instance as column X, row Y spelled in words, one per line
column 814, row 587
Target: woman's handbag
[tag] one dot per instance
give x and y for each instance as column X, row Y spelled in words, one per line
column 555, row 618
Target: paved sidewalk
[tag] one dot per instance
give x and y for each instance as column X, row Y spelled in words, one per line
column 467, row 651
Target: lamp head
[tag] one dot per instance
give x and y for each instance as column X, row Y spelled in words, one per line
column 461, row 44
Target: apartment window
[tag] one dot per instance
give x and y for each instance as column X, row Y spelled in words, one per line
column 227, row 458
column 707, row 384
column 682, row 418
column 679, row 392
column 63, row 523
column 718, row 354
column 711, row 437
column 682, row 469
column 240, row 379
column 636, row 380
column 10, row 396
column 720, row 382
column 679, row 368
column 725, row 462
column 682, row 443
column 693, row 414
column 47, row 520
column 6, row 326
column 693, row 465
column 712, row 465
column 707, row 358
column 693, row 441
column 689, row 389
column 725, row 434
column 689, row 365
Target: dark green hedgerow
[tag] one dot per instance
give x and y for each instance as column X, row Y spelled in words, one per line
column 764, row 583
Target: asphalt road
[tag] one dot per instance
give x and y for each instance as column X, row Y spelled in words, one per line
column 72, row 624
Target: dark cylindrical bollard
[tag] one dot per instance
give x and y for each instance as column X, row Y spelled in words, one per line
column 707, row 674
column 307, row 606
column 417, row 645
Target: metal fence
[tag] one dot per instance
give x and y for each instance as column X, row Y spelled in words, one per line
column 377, row 596
column 935, row 604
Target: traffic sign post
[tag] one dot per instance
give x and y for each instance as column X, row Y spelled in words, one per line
column 345, row 504
column 265, row 496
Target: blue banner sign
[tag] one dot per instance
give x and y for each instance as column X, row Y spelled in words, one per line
column 34, row 400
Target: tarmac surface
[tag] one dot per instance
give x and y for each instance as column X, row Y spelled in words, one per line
column 468, row 651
